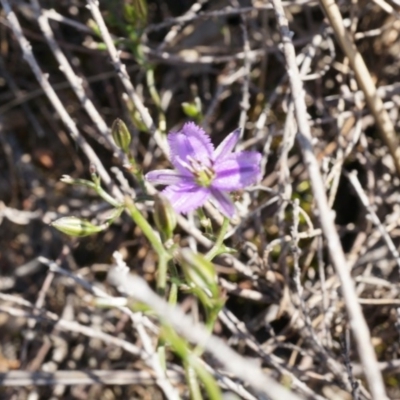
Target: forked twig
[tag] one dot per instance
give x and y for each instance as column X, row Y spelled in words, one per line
column 364, row 80
column 137, row 288
column 124, row 77
column 357, row 321
column 54, row 99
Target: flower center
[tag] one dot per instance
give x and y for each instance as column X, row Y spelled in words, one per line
column 203, row 174
column 204, row 177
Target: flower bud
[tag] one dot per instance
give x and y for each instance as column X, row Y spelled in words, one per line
column 199, row 271
column 121, row 135
column 77, row 227
column 191, row 110
column 67, row 179
column 164, row 216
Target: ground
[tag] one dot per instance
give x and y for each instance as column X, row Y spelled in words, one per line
column 277, row 295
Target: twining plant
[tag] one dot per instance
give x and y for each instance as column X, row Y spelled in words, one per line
column 201, row 173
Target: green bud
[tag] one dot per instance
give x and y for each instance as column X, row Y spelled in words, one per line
column 164, row 216
column 134, row 114
column 121, row 135
column 67, row 179
column 199, row 271
column 77, row 227
column 136, row 13
column 191, row 110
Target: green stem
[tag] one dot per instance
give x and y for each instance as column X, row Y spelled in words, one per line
column 193, row 383
column 146, row 228
column 162, row 124
column 137, row 173
column 163, row 255
column 211, row 386
column 205, row 221
column 162, row 356
column 96, row 187
column 162, row 274
column 173, row 294
column 217, row 246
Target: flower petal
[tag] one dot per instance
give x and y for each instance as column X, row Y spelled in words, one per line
column 186, row 197
column 223, row 202
column 167, row 177
column 237, row 171
column 227, row 145
column 190, row 142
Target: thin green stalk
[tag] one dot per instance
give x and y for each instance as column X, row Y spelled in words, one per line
column 173, row 294
column 146, row 228
column 106, row 197
column 137, row 173
column 213, row 391
column 216, row 249
column 205, row 221
column 193, row 383
column 92, row 185
column 161, row 356
column 162, row 274
column 163, row 255
column 212, row 316
column 162, row 124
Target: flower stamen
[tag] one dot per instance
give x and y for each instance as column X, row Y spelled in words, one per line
column 203, row 174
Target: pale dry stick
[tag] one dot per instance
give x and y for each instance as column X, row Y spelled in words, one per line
column 290, row 129
column 387, row 7
column 70, row 326
column 137, row 288
column 374, row 32
column 352, row 177
column 38, row 305
column 55, row 16
column 380, row 302
column 384, row 92
column 137, row 321
column 234, row 290
column 226, row 12
column 336, row 170
column 392, row 366
column 357, row 321
column 364, row 80
column 171, row 35
column 73, row 79
column 245, row 102
column 104, row 377
column 284, row 187
column 346, row 347
column 305, row 61
column 17, row 94
column 227, row 382
column 325, row 299
column 311, row 334
column 78, row 377
column 55, row 100
column 368, row 118
column 124, row 77
column 25, row 97
column 239, row 329
column 193, row 57
column 224, row 82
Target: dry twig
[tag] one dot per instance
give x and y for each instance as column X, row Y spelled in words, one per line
column 357, row 322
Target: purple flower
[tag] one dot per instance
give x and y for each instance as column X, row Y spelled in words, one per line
column 203, row 173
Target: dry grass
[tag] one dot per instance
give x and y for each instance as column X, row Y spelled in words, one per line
column 285, row 307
